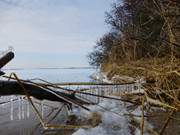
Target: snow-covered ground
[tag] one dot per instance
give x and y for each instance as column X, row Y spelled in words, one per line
column 114, row 122
column 101, row 77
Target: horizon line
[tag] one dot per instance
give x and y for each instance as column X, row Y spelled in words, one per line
column 88, row 67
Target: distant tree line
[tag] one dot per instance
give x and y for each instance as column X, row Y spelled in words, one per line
column 139, row 29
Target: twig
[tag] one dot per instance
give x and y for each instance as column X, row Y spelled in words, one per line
column 142, row 118
column 166, row 122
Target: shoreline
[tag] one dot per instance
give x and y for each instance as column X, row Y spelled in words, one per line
column 155, row 123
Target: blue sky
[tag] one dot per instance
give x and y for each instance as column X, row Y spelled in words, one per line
column 51, row 33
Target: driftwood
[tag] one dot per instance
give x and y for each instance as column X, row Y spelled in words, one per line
column 6, row 58
column 13, row 88
column 1, row 73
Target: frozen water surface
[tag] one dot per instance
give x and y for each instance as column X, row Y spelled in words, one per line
column 17, row 116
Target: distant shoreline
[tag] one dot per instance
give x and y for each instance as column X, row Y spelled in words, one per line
column 51, row 68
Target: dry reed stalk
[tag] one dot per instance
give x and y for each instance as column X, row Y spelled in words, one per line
column 45, row 125
column 142, row 119
column 166, row 122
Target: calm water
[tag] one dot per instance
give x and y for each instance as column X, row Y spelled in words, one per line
column 17, row 116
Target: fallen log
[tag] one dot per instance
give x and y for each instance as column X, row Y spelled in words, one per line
column 6, row 58
column 1, row 73
column 13, row 88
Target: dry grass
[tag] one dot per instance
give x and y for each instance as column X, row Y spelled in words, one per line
column 163, row 83
column 96, row 119
column 162, row 77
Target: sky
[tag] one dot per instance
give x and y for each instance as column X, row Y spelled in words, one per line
column 51, row 33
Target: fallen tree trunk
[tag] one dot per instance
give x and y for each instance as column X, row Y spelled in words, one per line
column 13, row 88
column 6, row 58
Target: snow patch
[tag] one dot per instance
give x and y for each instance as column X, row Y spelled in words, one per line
column 101, row 77
column 113, row 120
column 94, row 131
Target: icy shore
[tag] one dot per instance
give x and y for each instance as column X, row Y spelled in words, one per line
column 113, row 118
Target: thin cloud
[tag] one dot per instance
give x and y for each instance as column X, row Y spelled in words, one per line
column 68, row 27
